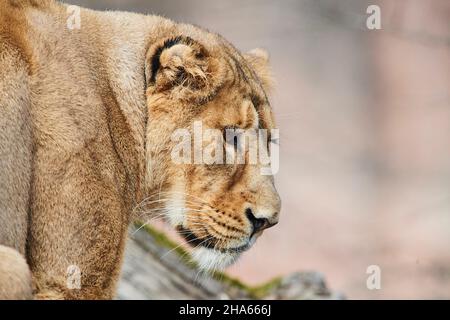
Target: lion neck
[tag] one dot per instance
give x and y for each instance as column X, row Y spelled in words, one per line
column 118, row 43
column 114, row 44
column 127, row 37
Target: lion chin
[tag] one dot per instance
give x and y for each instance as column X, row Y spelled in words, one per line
column 208, row 259
column 207, row 256
column 212, row 260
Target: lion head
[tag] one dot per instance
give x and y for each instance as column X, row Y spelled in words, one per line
column 207, row 104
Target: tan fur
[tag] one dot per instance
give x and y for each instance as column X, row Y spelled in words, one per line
column 85, row 137
column 15, row 275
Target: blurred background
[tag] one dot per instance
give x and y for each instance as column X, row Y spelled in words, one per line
column 364, row 117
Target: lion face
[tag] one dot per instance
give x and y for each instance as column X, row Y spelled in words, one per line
column 210, row 146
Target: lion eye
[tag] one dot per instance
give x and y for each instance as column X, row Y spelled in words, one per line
column 275, row 141
column 231, row 132
column 235, row 142
column 271, row 140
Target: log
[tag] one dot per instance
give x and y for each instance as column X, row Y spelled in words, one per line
column 155, row 268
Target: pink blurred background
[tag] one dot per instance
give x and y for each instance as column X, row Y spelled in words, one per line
column 364, row 117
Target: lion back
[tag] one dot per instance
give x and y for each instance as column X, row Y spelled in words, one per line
column 15, row 153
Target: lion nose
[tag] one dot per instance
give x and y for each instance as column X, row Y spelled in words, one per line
column 258, row 224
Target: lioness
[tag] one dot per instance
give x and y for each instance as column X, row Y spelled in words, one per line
column 86, row 123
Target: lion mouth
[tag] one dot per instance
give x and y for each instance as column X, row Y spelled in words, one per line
column 209, row 242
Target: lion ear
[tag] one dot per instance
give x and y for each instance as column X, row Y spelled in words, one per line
column 179, row 65
column 259, row 61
